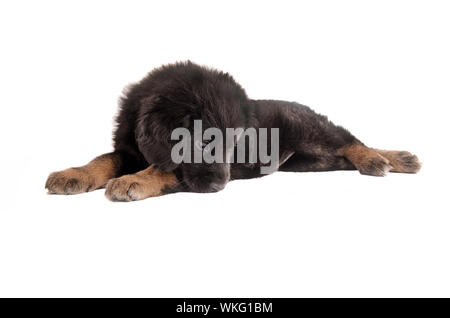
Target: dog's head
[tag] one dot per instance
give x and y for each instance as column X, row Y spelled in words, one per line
column 219, row 104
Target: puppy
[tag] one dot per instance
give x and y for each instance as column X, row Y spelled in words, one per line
column 178, row 95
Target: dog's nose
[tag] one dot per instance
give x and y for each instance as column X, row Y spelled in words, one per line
column 215, row 187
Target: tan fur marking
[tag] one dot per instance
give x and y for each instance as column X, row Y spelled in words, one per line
column 365, row 159
column 89, row 177
column 401, row 161
column 149, row 182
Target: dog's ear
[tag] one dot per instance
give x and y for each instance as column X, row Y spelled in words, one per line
column 152, row 133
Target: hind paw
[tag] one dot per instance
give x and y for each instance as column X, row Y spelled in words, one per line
column 375, row 166
column 402, row 161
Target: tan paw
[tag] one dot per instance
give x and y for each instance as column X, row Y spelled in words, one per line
column 127, row 188
column 402, row 161
column 375, row 165
column 69, row 181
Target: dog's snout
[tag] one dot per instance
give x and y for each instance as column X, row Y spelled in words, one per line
column 215, row 187
column 209, row 178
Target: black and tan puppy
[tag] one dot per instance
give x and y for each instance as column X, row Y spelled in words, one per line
column 174, row 96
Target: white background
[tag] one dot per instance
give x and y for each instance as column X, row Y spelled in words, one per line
column 379, row 68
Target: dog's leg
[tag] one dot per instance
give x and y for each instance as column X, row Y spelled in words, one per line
column 378, row 162
column 147, row 183
column 89, row 177
column 319, row 145
column 354, row 156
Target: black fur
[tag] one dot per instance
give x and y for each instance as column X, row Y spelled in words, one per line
column 174, row 95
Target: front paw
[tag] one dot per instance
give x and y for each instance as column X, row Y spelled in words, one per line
column 69, row 181
column 126, row 188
